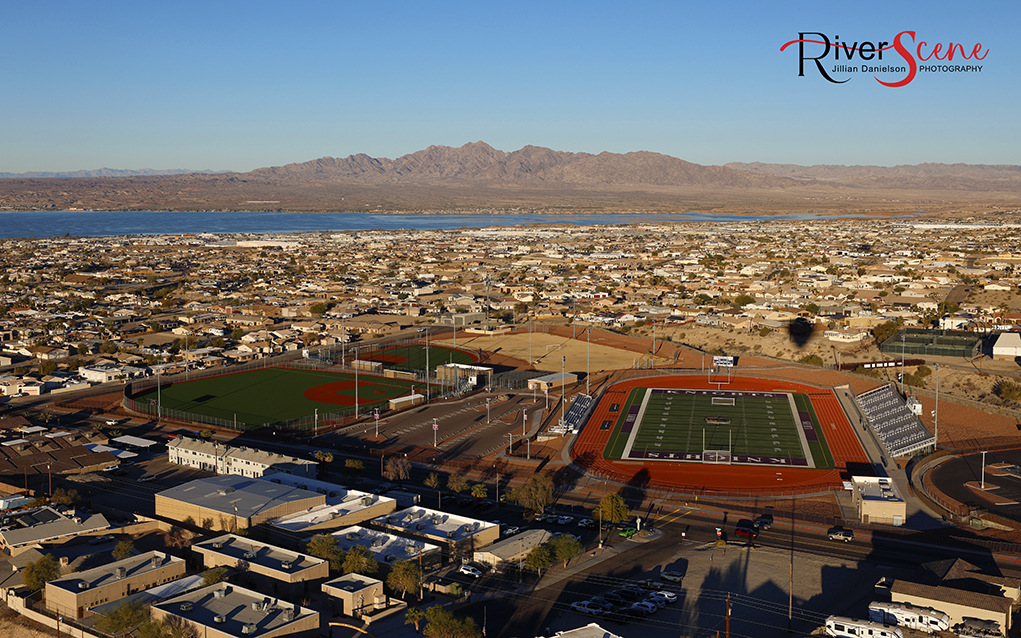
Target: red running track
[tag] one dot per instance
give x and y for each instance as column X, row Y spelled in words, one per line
column 706, row 478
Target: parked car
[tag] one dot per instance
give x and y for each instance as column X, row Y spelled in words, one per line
column 112, row 422
column 648, row 585
column 654, row 601
column 673, row 577
column 110, row 468
column 587, row 523
column 614, row 598
column 763, row 522
column 564, row 520
column 602, row 603
column 145, row 478
column 99, row 540
column 585, row 607
column 839, row 534
column 468, row 570
column 668, row 596
column 647, row 607
column 636, row 612
column 630, row 593
column 628, row 532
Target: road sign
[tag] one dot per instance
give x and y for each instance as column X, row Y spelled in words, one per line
column 719, row 532
column 723, row 362
column 436, row 426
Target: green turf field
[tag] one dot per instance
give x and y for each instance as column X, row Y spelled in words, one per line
column 274, row 395
column 755, row 427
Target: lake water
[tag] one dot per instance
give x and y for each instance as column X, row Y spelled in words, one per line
column 99, row 223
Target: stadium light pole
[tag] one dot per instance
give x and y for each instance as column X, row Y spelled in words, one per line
column 563, row 387
column 356, row 381
column 588, row 362
column 983, row 470
column 427, row 365
column 436, row 428
column 935, row 443
column 903, row 345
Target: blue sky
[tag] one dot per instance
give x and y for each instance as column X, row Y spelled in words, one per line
column 236, row 86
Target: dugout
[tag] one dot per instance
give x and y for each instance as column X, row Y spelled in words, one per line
column 552, row 381
column 933, row 343
column 408, row 401
column 375, row 367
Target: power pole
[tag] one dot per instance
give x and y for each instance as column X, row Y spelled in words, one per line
column 728, row 615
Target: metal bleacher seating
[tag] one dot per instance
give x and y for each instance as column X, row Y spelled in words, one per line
column 899, row 429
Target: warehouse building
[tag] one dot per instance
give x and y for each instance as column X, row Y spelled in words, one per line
column 267, row 567
column 232, row 502
column 457, row 536
column 228, row 611
column 389, row 548
column 75, row 594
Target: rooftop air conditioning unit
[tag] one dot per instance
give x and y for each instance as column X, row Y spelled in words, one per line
column 122, row 572
column 451, row 534
column 288, row 615
column 250, row 555
column 219, row 618
column 83, row 585
column 248, row 628
column 352, row 536
column 436, row 520
column 186, row 606
column 218, row 545
column 219, row 593
column 420, row 526
column 366, row 501
column 285, row 564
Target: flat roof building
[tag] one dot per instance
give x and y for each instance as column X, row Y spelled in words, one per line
column 357, row 594
column 232, row 501
column 228, row 611
column 342, row 507
column 513, row 549
column 877, row 500
column 389, row 548
column 265, row 565
column 74, row 594
column 458, row 536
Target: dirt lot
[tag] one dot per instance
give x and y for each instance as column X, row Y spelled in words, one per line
column 547, row 349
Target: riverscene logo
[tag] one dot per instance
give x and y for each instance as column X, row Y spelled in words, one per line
column 904, row 60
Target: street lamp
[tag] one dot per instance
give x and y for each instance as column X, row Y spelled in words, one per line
column 903, row 346
column 588, row 362
column 488, row 418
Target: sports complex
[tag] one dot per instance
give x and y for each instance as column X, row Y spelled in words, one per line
column 301, row 395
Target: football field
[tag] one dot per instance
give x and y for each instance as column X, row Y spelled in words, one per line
column 718, row 426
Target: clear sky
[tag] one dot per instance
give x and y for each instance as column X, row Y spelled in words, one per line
column 240, row 85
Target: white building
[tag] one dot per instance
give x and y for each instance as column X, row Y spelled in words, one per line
column 212, row 456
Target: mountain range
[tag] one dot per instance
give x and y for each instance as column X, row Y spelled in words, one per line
column 477, row 176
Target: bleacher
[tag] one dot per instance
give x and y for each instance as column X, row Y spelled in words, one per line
column 899, row 429
column 579, row 412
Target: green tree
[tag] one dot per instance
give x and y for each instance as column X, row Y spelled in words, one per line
column 457, row 483
column 108, row 347
column 612, row 508
column 764, row 331
column 82, row 349
column 360, row 561
column 405, row 575
column 1008, row 390
column 353, row 467
column 318, row 309
column 47, row 367
column 540, row 558
column 432, row 481
column 536, row 494
column 414, row 616
column 214, row 575
column 479, row 490
column 237, row 333
column 324, row 546
column 41, row 571
column 743, row 300
column 123, row 550
column 123, row 618
column 565, row 547
column 443, row 623
column 65, row 497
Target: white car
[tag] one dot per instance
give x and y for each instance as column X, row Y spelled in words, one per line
column 646, row 606
column 667, row 596
column 112, row 422
column 585, row 608
column 468, row 570
column 564, row 520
